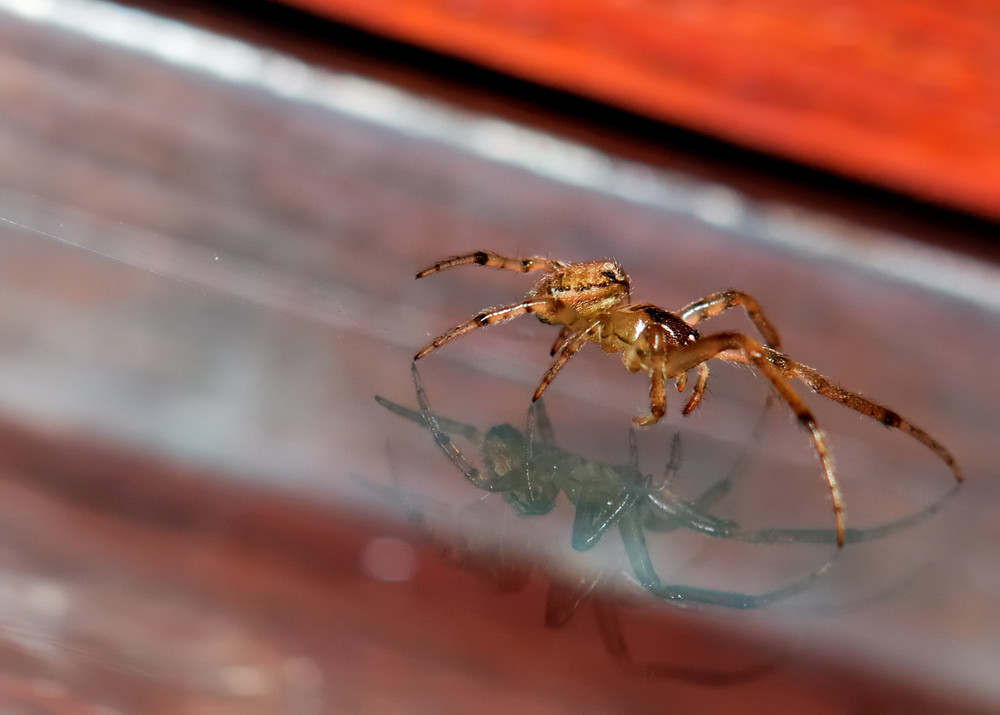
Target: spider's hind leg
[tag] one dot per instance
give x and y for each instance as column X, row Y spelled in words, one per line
column 491, row 316
column 890, row 418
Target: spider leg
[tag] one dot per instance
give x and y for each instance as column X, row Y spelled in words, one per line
column 564, row 599
column 561, row 339
column 736, row 347
column 491, row 316
column 657, row 398
column 698, row 391
column 822, row 385
column 716, row 303
column 570, row 348
column 495, row 260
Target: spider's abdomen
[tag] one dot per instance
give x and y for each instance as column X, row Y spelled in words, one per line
column 645, row 334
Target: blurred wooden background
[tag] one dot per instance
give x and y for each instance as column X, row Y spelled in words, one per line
column 205, row 282
column 901, row 94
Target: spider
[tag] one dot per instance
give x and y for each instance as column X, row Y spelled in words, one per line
column 592, row 301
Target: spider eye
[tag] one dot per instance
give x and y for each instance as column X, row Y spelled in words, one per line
column 611, row 276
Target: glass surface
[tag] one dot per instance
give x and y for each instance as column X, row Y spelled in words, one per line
column 209, row 268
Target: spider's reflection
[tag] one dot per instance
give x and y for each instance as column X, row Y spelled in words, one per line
column 529, row 470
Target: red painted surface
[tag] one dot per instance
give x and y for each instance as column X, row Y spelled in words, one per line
column 897, row 93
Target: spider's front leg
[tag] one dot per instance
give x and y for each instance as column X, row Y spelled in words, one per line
column 491, row 316
column 569, row 347
column 495, row 260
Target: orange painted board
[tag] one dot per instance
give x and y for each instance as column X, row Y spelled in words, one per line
column 904, row 94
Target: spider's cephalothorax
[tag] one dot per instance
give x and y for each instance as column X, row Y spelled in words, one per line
column 592, row 302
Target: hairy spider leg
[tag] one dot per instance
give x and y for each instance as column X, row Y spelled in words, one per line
column 569, row 348
column 560, row 340
column 698, row 391
column 572, row 294
column 496, row 260
column 823, row 386
column 737, row 347
column 716, row 303
column 491, row 316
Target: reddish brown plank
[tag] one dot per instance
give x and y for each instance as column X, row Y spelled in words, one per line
column 900, row 94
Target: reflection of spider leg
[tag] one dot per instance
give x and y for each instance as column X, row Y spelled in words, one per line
column 737, row 347
column 597, row 512
column 491, row 316
column 445, row 424
column 712, row 305
column 664, row 511
column 495, row 260
column 634, row 541
column 877, row 412
column 828, row 536
column 538, row 499
column 543, row 425
column 445, row 442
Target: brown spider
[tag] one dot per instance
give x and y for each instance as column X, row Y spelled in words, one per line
column 591, row 301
